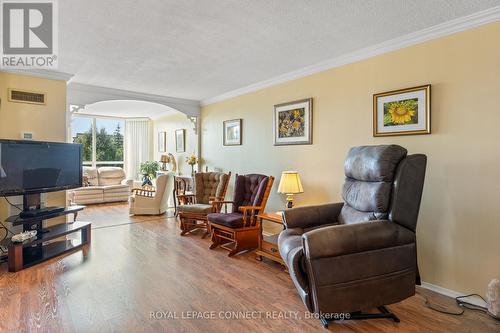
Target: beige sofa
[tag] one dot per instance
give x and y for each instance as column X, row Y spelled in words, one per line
column 106, row 184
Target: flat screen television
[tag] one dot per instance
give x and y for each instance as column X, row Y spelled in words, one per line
column 29, row 167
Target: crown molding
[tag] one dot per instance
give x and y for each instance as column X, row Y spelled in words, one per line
column 434, row 32
column 41, row 73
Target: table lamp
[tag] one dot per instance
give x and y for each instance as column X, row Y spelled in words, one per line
column 164, row 159
column 290, row 184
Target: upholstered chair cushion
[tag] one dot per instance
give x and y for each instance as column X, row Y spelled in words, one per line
column 369, row 172
column 249, row 190
column 373, row 163
column 232, row 220
column 209, row 184
column 110, row 176
column 196, row 208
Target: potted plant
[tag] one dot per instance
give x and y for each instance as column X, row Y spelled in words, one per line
column 192, row 161
column 148, row 170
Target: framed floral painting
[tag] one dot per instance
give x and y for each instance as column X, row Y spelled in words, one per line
column 293, row 123
column 402, row 112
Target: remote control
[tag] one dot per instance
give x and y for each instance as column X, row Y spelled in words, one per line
column 19, row 238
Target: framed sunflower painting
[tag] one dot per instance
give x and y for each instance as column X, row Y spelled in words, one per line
column 293, row 123
column 402, row 112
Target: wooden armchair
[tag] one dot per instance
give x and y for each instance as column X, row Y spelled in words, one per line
column 240, row 230
column 146, row 191
column 193, row 209
column 180, row 194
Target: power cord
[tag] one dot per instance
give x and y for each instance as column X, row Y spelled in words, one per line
column 7, row 231
column 10, row 203
column 3, row 258
column 463, row 305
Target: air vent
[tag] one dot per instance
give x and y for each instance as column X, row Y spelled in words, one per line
column 29, row 97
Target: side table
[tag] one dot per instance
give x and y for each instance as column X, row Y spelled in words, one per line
column 268, row 243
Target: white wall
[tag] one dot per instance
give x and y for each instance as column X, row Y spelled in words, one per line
column 170, row 124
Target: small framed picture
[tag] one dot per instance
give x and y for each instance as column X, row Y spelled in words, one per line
column 402, row 112
column 162, row 142
column 293, row 123
column 232, row 132
column 180, row 140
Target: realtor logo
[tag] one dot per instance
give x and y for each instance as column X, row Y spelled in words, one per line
column 29, row 34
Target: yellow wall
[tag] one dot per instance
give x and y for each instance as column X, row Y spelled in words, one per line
column 459, row 225
column 47, row 122
column 170, row 124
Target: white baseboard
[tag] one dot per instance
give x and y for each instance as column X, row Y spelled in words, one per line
column 451, row 293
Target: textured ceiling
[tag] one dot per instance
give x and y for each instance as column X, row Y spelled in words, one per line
column 197, row 49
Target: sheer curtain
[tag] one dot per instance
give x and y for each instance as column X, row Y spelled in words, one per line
column 137, row 145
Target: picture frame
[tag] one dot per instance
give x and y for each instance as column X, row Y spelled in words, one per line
column 162, row 142
column 293, row 123
column 402, row 112
column 232, row 132
column 180, row 140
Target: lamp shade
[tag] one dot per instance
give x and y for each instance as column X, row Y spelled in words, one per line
column 165, row 159
column 290, row 183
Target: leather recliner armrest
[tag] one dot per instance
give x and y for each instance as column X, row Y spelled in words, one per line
column 345, row 239
column 310, row 216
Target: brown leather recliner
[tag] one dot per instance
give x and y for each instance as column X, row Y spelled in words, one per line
column 359, row 254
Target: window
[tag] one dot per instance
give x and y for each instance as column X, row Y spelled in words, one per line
column 101, row 138
column 109, row 142
column 81, row 132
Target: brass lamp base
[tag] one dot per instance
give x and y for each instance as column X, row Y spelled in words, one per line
column 289, row 201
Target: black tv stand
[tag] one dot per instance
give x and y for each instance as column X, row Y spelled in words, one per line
column 40, row 212
column 46, row 244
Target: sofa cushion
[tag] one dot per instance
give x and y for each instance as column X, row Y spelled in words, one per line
column 195, row 208
column 110, row 175
column 89, row 190
column 91, row 174
column 116, row 189
column 87, row 195
column 232, row 220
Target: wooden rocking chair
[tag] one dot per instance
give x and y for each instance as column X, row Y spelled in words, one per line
column 240, row 230
column 194, row 208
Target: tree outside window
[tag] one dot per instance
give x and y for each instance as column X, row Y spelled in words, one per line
column 109, row 138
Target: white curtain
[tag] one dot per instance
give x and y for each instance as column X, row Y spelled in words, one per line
column 137, row 145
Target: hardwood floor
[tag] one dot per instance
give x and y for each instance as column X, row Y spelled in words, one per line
column 144, row 266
